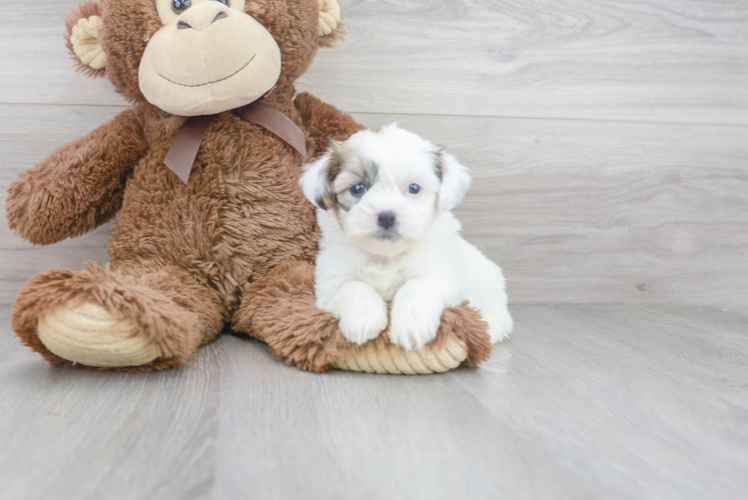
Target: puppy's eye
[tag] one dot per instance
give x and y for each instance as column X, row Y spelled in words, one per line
column 414, row 189
column 358, row 189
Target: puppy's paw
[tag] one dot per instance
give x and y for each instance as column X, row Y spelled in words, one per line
column 500, row 323
column 362, row 322
column 415, row 319
column 499, row 329
column 361, row 313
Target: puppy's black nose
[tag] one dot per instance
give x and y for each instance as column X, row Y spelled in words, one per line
column 386, row 219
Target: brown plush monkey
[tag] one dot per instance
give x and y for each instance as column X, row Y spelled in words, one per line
column 229, row 239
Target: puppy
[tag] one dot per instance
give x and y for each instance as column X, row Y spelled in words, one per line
column 384, row 201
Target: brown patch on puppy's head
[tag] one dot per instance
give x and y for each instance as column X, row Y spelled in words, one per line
column 438, row 164
column 353, row 172
column 327, row 182
column 334, row 165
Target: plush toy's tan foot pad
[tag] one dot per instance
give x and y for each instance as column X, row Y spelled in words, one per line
column 131, row 318
column 280, row 310
column 90, row 335
column 385, row 358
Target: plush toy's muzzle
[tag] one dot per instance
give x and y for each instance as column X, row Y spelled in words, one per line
column 208, row 59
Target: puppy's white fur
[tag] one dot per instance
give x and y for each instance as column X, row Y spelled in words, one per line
column 421, row 263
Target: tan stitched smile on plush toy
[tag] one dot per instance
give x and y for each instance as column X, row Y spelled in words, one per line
column 220, row 57
column 235, row 240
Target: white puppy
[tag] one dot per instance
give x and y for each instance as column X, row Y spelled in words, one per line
column 384, row 202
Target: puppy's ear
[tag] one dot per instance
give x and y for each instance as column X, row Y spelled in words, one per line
column 455, row 181
column 315, row 182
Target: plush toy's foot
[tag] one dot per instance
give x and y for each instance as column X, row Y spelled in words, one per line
column 280, row 310
column 135, row 318
column 91, row 335
column 385, row 358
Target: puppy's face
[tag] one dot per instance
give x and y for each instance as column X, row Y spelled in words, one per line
column 385, row 188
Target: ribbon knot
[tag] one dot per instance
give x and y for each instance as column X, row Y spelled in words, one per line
column 183, row 151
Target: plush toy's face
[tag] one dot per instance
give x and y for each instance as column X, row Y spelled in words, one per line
column 199, row 57
column 208, row 56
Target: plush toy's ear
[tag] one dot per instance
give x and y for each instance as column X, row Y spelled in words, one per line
column 330, row 28
column 83, row 23
column 455, row 181
column 315, row 182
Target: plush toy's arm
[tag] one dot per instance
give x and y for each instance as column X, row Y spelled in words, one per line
column 79, row 185
column 324, row 122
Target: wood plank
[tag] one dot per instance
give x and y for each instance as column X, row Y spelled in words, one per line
column 268, row 431
column 36, row 65
column 581, row 402
column 603, row 212
column 574, row 211
column 634, row 398
column 730, row 320
column 290, row 434
column 72, row 434
column 653, row 60
column 27, row 134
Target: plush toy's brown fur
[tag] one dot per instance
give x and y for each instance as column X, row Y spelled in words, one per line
column 284, row 301
column 183, row 256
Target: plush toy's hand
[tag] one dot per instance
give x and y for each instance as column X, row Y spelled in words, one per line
column 416, row 314
column 324, row 122
column 17, row 204
column 79, row 185
column 361, row 311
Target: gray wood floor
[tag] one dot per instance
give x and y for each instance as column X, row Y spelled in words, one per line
column 608, row 142
column 583, row 402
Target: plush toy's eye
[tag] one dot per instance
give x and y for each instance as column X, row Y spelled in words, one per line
column 414, row 189
column 180, row 5
column 358, row 190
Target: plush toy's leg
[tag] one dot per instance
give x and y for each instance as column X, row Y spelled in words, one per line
column 134, row 316
column 280, row 309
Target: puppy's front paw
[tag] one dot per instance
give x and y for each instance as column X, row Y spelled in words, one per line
column 362, row 313
column 415, row 319
column 361, row 322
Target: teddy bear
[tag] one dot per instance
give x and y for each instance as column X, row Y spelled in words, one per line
column 202, row 174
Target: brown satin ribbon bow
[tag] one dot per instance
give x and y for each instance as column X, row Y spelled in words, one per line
column 183, row 151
